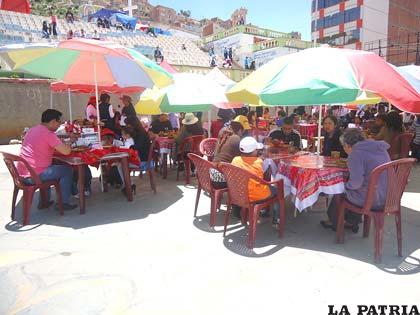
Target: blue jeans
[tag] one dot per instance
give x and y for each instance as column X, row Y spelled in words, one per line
column 276, row 206
column 62, row 173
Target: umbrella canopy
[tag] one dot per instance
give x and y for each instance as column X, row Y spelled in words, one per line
column 226, row 83
column 190, row 92
column 72, row 63
column 325, row 76
column 412, row 74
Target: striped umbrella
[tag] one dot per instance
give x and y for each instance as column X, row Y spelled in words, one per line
column 82, row 65
column 325, row 76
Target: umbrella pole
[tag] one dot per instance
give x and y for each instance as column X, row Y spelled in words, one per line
column 51, row 98
column 209, row 121
column 318, row 149
column 70, row 111
column 97, row 98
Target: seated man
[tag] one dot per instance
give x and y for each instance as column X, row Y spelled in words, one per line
column 163, row 124
column 286, row 134
column 250, row 161
column 363, row 156
column 38, row 149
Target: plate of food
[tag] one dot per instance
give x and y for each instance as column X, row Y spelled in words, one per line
column 80, row 149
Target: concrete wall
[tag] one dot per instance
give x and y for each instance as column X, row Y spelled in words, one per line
column 21, row 105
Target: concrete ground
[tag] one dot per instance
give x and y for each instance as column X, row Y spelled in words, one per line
column 152, row 257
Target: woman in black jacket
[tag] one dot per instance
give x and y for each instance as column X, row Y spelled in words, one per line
column 332, row 137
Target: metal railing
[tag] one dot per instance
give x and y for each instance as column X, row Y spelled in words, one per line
column 246, row 29
column 234, row 74
column 282, row 42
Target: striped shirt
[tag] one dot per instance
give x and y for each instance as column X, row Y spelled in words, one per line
column 416, row 128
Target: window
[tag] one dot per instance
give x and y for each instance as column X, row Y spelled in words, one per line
column 313, row 26
column 319, row 24
column 313, row 5
column 352, row 15
column 322, row 4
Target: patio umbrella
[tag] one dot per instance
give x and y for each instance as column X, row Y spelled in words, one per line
column 87, row 66
column 190, row 92
column 71, row 63
column 325, row 76
column 226, row 83
column 412, row 74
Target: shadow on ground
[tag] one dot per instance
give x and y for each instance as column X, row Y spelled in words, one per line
column 102, row 208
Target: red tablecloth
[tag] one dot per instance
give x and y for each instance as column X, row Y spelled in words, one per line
column 165, row 144
column 307, row 130
column 306, row 176
column 92, row 157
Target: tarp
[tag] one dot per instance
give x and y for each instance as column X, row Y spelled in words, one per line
column 22, row 6
column 104, row 13
column 124, row 19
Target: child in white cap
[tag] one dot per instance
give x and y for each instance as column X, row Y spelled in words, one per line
column 250, row 161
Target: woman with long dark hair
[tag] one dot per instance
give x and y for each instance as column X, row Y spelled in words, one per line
column 332, row 135
column 393, row 128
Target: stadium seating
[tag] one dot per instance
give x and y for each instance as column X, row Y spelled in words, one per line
column 26, row 28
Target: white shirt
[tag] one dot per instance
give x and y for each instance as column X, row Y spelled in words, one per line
column 91, row 112
column 128, row 143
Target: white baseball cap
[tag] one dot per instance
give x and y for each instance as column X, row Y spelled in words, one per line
column 249, row 144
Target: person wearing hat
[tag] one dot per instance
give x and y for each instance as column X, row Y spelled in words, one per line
column 243, row 120
column 190, row 127
column 91, row 113
column 250, row 161
column 127, row 109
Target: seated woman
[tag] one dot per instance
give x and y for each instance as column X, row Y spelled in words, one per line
column 226, row 149
column 363, row 156
column 190, row 127
column 379, row 123
column 332, row 137
column 393, row 127
column 163, row 124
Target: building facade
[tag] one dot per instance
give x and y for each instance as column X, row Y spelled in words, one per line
column 391, row 28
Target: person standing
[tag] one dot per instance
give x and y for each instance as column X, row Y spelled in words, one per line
column 106, row 112
column 38, row 149
column 53, row 24
column 127, row 110
column 91, row 112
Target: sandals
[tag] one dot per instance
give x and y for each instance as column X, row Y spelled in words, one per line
column 326, row 224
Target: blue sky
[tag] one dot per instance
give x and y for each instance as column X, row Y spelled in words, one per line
column 280, row 15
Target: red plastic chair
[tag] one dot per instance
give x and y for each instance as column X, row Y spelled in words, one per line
column 189, row 145
column 150, row 159
column 398, row 172
column 28, row 190
column 405, row 139
column 208, row 148
column 237, row 180
column 203, row 175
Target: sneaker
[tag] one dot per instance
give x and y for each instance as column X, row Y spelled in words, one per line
column 275, row 223
column 264, row 213
column 87, row 193
column 46, row 206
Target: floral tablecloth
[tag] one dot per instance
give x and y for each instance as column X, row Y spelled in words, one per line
column 306, row 176
column 165, row 144
column 93, row 157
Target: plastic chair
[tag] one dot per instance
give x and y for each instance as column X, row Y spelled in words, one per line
column 397, row 172
column 189, row 145
column 28, row 190
column 237, row 180
column 204, row 183
column 150, row 159
column 405, row 141
column 208, row 148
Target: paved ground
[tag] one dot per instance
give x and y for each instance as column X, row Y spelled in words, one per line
column 152, row 257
